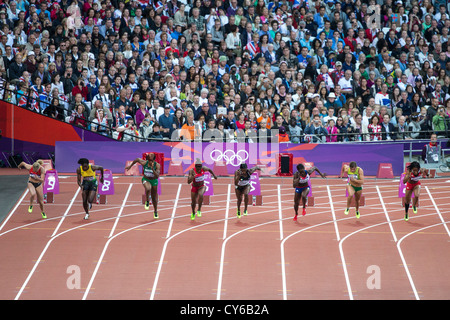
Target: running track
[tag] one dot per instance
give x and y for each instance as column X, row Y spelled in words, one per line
column 123, row 253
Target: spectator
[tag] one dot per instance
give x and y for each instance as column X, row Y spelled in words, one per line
column 128, row 130
column 166, row 121
column 316, row 129
column 332, row 131
column 387, row 128
column 307, row 56
column 374, row 128
column 78, row 118
column 100, row 123
column 16, row 68
column 440, row 122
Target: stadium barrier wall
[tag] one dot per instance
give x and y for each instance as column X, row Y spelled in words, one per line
column 327, row 157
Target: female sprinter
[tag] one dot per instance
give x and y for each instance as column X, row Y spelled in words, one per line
column 354, row 185
column 35, row 181
column 88, row 183
column 196, row 176
column 242, row 186
column 151, row 171
column 300, row 183
column 412, row 181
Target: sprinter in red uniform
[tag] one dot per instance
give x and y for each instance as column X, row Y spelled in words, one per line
column 35, row 182
column 197, row 178
column 412, row 181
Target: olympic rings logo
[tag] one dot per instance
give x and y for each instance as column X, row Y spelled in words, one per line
column 229, row 156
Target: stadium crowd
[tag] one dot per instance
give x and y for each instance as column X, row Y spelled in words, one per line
column 142, row 70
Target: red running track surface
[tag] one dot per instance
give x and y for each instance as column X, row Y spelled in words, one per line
column 121, row 252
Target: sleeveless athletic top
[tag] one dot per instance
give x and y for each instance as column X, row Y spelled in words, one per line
column 89, row 174
column 244, row 180
column 149, row 171
column 303, row 180
column 35, row 175
column 353, row 174
column 415, row 179
column 199, row 177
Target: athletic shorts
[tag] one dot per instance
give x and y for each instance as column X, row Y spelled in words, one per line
column 300, row 190
column 89, row 185
column 242, row 188
column 355, row 188
column 196, row 189
column 35, row 184
column 411, row 186
column 153, row 182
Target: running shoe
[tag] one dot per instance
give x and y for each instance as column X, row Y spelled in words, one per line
column 44, row 216
column 86, row 216
column 245, row 212
column 347, row 211
column 30, row 209
column 199, row 213
column 414, row 209
column 192, row 216
column 406, row 217
column 147, row 205
column 357, row 215
column 238, row 214
column 295, row 218
column 304, row 211
column 155, row 215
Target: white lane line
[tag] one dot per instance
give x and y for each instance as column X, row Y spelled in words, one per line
column 386, row 214
column 280, row 212
column 120, row 211
column 405, row 265
column 38, row 261
column 338, row 237
column 227, row 209
column 175, row 205
column 65, row 213
column 15, row 208
column 437, row 210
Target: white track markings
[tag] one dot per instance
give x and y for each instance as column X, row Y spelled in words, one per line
column 437, row 210
column 15, row 208
column 338, row 237
column 120, row 211
column 38, row 261
column 405, row 265
column 175, row 205
column 386, row 214
column 227, row 210
column 280, row 212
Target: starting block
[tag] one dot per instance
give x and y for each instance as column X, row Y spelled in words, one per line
column 175, row 169
column 255, row 200
column 220, row 168
column 385, row 171
column 51, row 185
column 105, row 188
column 206, row 200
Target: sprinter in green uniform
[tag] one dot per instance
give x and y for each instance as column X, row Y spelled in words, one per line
column 354, row 185
column 151, row 171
